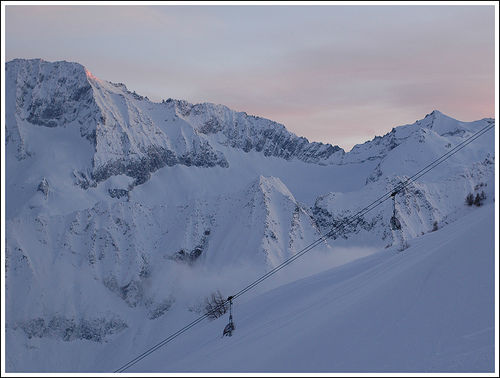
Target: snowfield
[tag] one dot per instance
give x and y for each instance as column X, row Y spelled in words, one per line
column 123, row 215
column 427, row 309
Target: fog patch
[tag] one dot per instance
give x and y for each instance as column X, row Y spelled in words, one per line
column 320, row 260
column 191, row 285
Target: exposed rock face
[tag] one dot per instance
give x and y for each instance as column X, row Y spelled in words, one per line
column 69, row 329
column 155, row 158
column 117, row 234
column 134, row 136
column 156, row 310
column 421, row 205
column 52, row 94
column 44, row 187
column 118, row 193
column 193, row 255
column 247, row 132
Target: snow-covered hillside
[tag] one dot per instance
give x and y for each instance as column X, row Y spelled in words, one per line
column 428, row 309
column 123, row 214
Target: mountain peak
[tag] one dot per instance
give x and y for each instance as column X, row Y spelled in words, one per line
column 38, row 62
column 271, row 184
column 434, row 113
column 133, row 136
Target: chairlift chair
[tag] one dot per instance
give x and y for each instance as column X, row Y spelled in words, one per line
column 229, row 328
column 395, row 223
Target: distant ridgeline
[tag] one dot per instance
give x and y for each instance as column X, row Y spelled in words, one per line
column 117, row 206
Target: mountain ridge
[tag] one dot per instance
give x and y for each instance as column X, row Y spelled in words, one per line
column 132, row 135
column 121, row 211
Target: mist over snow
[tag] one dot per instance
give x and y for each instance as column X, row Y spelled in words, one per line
column 123, row 215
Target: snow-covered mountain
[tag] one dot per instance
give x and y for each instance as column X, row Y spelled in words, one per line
column 128, row 134
column 122, row 212
column 429, row 309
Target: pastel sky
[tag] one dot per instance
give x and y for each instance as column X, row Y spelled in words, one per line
column 335, row 74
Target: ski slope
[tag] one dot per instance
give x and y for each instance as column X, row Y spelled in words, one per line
column 427, row 309
column 122, row 215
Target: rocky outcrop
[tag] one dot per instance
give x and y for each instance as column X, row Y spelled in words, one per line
column 69, row 329
column 190, row 256
column 53, row 94
column 134, row 136
column 43, row 187
column 248, row 132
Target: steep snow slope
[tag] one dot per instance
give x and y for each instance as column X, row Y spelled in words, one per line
column 122, row 213
column 434, row 199
column 128, row 133
column 429, row 309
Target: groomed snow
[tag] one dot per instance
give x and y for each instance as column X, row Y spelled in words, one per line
column 427, row 309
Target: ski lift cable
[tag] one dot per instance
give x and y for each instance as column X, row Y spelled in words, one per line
column 368, row 208
column 315, row 243
column 350, row 220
